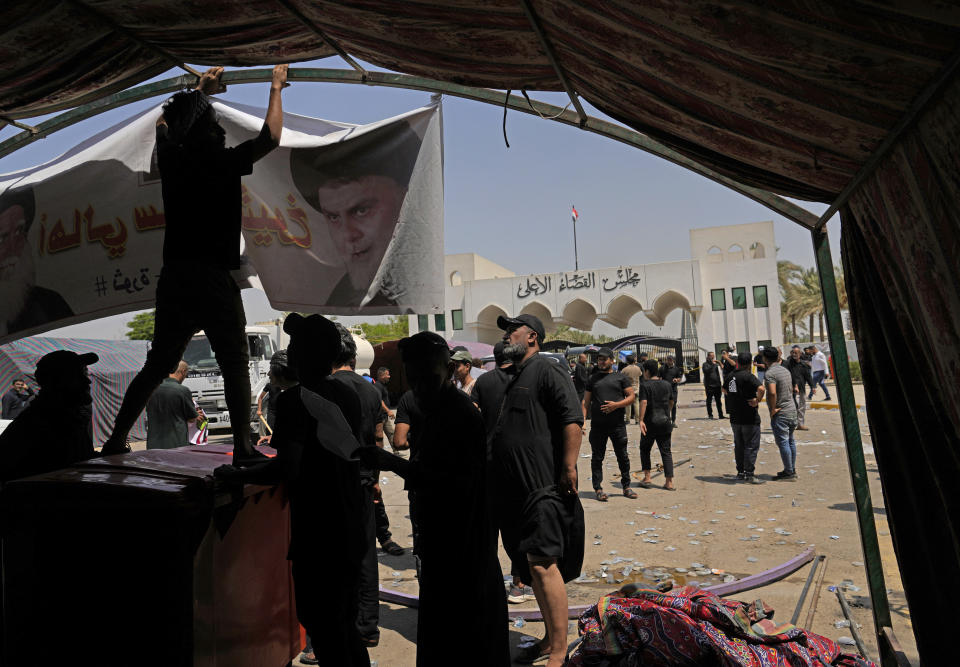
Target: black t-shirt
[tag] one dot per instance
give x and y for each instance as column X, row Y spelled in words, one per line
column 711, row 374
column 760, row 362
column 728, row 368
column 657, row 394
column 607, row 387
column 487, row 393
column 580, row 377
column 409, row 412
column 741, row 387
column 538, row 402
column 669, row 373
column 369, row 404
column 202, row 199
column 384, row 394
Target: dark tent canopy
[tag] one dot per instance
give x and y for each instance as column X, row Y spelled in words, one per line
column 851, row 102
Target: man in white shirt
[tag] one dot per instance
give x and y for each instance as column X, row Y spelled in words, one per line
column 818, row 366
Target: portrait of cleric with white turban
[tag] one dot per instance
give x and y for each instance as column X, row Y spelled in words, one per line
column 358, row 187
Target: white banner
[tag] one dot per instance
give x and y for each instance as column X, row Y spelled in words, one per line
column 340, row 219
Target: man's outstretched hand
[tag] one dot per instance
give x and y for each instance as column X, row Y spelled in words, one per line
column 209, row 83
column 279, row 77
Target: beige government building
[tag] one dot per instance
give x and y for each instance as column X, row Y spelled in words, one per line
column 728, row 286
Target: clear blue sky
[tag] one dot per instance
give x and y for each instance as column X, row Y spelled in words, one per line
column 511, row 205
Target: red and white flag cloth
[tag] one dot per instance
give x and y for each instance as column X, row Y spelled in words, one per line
column 575, row 214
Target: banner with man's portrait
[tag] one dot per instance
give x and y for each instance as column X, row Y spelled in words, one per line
column 340, row 219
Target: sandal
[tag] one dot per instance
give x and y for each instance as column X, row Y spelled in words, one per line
column 601, row 496
column 531, row 653
column 630, row 493
column 645, row 485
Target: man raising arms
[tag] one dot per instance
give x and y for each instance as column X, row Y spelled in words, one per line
column 201, row 200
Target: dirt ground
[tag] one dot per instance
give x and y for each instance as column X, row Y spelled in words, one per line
column 711, row 520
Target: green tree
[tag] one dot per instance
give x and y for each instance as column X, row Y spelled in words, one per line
column 141, row 326
column 396, row 327
column 565, row 332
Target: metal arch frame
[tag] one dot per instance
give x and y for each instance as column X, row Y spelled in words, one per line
column 546, row 111
column 780, row 205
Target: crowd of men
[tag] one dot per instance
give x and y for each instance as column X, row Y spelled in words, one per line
column 484, row 456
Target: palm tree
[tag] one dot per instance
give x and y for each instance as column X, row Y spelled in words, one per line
column 788, row 276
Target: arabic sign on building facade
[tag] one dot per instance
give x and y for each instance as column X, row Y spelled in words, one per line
column 80, row 236
column 610, row 280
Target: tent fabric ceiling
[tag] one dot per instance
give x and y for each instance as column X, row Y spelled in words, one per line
column 792, row 96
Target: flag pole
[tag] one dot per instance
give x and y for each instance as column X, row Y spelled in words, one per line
column 576, row 261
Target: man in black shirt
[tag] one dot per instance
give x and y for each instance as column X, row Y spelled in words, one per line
column 672, row 373
column 317, row 437
column 711, row 383
column 202, row 206
column 536, row 445
column 609, row 392
column 457, row 540
column 370, row 426
column 656, row 403
column 802, row 378
column 55, row 429
column 744, row 391
column 580, row 376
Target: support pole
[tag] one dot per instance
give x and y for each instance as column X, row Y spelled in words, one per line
column 851, row 436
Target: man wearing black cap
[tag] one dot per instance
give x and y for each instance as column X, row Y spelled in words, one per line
column 457, row 541
column 744, row 391
column 317, row 436
column 610, row 393
column 536, row 444
column 55, row 430
column 202, row 205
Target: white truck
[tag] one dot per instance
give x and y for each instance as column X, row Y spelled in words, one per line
column 206, row 383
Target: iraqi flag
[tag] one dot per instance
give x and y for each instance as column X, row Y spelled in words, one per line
column 574, row 213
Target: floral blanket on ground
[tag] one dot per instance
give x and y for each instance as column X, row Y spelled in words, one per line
column 691, row 626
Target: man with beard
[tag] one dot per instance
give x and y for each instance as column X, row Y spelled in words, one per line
column 22, row 304
column 358, row 186
column 610, row 392
column 55, row 430
column 202, row 205
column 535, row 446
column 315, row 438
column 457, row 541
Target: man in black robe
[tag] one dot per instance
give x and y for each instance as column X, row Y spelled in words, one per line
column 457, row 543
column 316, row 440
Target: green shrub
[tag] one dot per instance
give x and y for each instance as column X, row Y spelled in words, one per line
column 855, row 373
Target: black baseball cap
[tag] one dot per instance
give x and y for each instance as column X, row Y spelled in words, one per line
column 61, row 362
column 605, row 352
column 523, row 320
